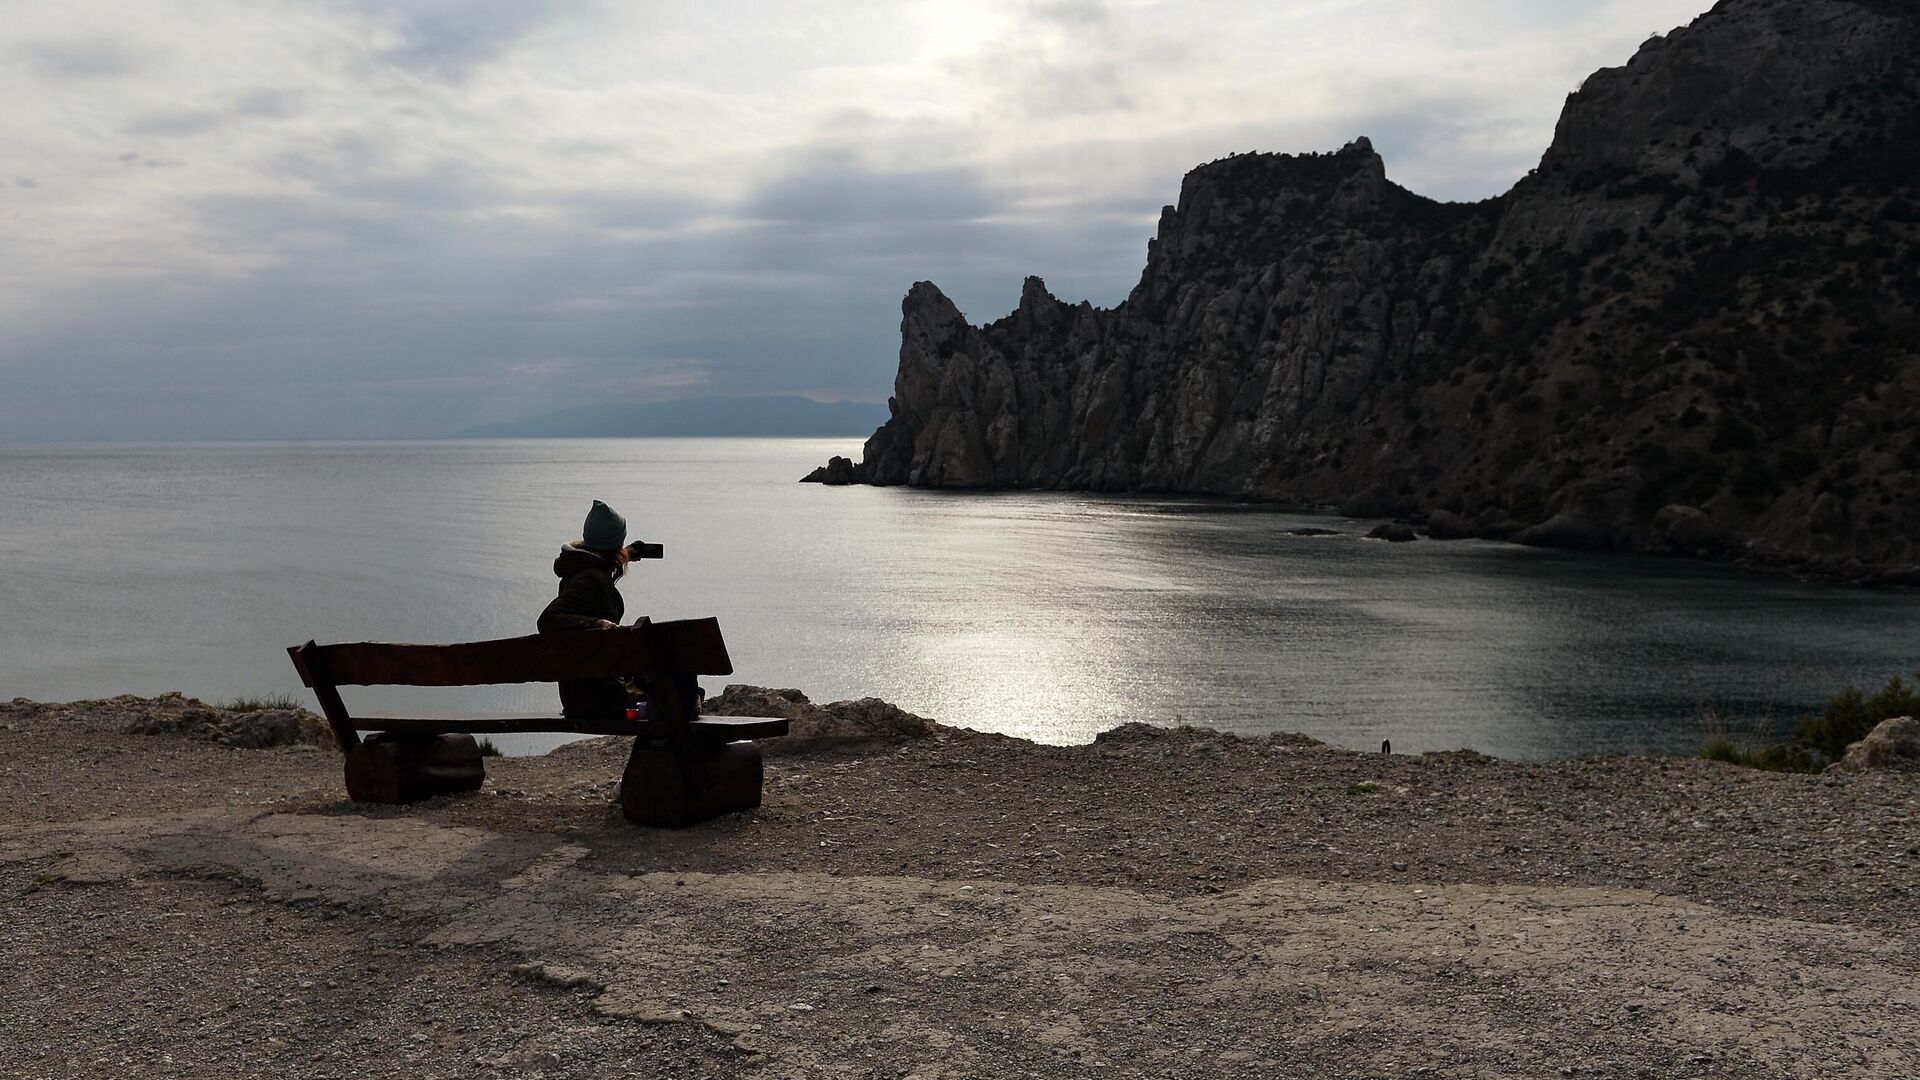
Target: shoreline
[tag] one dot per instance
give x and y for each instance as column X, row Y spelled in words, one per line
column 175, row 712
column 1161, row 902
column 1555, row 534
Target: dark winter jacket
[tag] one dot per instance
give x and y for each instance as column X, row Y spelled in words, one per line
column 587, row 595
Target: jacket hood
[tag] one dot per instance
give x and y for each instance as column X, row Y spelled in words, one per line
column 572, row 560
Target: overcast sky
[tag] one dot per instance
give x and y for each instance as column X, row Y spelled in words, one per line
column 312, row 218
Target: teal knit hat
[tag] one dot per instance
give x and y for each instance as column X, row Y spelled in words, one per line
column 605, row 530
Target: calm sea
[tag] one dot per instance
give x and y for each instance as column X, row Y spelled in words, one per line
column 1052, row 616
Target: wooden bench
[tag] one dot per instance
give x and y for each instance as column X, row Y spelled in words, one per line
column 684, row 768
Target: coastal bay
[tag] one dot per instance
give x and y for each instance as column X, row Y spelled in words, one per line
column 1050, row 616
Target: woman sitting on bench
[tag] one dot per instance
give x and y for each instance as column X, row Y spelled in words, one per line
column 589, row 600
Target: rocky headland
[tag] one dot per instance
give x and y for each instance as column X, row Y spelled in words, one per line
column 1691, row 329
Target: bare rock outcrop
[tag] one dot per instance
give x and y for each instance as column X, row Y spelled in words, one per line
column 838, row 471
column 1395, row 532
column 174, row 713
column 1892, row 744
column 838, row 721
column 1446, row 525
column 1138, row 737
column 254, row 729
column 1701, row 298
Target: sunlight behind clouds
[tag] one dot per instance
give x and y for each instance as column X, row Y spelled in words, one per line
column 232, row 193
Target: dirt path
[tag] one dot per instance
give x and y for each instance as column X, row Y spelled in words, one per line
column 961, row 906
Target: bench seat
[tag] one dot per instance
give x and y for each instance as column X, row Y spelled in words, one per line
column 703, row 729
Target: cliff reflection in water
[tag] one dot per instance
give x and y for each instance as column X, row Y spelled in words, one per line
column 1050, row 616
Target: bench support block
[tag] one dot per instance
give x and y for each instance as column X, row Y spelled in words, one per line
column 653, row 790
column 388, row 769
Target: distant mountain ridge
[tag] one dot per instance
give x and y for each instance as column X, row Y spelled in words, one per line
column 738, row 416
column 1694, row 327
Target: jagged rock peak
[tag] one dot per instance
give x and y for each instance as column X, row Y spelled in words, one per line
column 1033, row 292
column 1263, row 173
column 1358, row 153
column 925, row 294
column 1039, row 309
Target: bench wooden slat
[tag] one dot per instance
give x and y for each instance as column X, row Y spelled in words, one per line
column 705, row 729
column 690, row 646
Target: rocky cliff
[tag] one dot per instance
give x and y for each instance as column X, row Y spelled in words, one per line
column 1692, row 327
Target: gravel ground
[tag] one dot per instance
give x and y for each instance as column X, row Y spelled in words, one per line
column 1161, row 903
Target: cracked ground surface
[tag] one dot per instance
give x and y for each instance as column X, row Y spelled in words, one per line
column 961, row 906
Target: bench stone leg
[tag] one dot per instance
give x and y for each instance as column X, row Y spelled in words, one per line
column 653, row 791
column 390, row 769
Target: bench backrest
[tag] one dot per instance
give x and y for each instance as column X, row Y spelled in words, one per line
column 664, row 654
column 688, row 647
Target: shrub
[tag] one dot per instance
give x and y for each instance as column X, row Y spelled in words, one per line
column 1797, row 463
column 1732, row 435
column 1776, row 757
column 267, row 703
column 1817, row 739
column 1752, row 748
column 1734, row 169
column 1851, row 714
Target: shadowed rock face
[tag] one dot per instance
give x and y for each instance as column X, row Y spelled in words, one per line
column 1700, row 308
column 1273, row 297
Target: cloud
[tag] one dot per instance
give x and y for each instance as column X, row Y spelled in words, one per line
column 836, row 191
column 361, row 218
column 1073, row 58
column 450, row 39
column 443, row 186
column 176, row 123
column 259, row 104
column 1073, row 13
column 133, row 160
column 91, row 58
